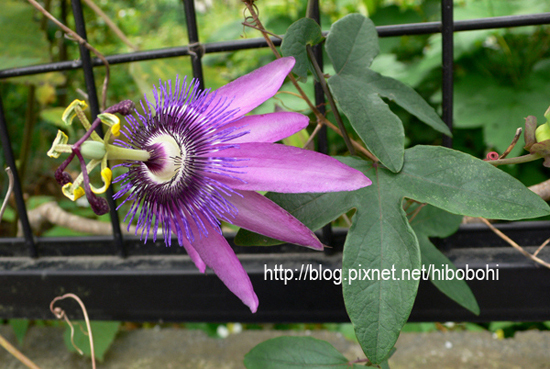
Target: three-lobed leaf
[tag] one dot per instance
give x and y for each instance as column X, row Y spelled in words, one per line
column 351, row 45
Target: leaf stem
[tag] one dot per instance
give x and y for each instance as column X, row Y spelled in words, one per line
column 517, row 160
column 328, row 94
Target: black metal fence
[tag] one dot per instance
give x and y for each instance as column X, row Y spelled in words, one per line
column 120, row 278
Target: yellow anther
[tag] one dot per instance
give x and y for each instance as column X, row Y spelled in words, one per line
column 112, row 121
column 60, row 139
column 70, row 112
column 106, row 176
column 72, row 192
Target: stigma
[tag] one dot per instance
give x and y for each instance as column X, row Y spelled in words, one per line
column 165, row 164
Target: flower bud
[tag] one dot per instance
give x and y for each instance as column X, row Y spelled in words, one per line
column 543, row 132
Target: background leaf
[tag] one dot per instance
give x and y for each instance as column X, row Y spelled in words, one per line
column 295, row 352
column 21, row 35
column 20, row 327
column 103, row 332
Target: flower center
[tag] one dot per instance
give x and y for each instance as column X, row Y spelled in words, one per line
column 167, row 158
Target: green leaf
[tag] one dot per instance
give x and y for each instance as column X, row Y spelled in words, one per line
column 26, row 42
column 351, row 45
column 20, row 327
column 380, row 240
column 409, row 100
column 21, row 35
column 295, row 352
column 365, row 110
column 455, row 289
column 461, row 184
column 103, row 333
column 434, row 222
column 301, row 33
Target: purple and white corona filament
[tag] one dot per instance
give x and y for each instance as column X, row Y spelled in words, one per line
column 206, row 160
column 172, row 189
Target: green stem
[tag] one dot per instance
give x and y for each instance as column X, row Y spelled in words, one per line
column 518, row 160
column 121, row 153
column 330, row 99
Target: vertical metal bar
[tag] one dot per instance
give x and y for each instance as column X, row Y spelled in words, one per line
column 94, row 108
column 447, row 65
column 193, row 35
column 322, row 139
column 17, row 189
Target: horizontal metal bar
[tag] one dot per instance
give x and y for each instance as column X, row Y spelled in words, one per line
column 122, row 289
column 465, row 25
column 469, row 236
column 214, row 47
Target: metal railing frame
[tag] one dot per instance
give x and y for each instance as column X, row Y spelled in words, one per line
column 31, row 257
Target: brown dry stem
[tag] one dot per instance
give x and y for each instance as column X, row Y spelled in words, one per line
column 515, row 245
column 320, row 117
column 60, row 314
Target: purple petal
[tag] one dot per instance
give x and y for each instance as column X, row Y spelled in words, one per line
column 269, row 127
column 259, row 214
column 247, row 92
column 218, row 255
column 287, row 169
column 199, row 263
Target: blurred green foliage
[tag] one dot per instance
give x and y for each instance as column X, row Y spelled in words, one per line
column 500, row 75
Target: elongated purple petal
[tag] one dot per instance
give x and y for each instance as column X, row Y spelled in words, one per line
column 218, row 255
column 259, row 214
column 247, row 92
column 193, row 254
column 287, row 169
column 269, row 127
